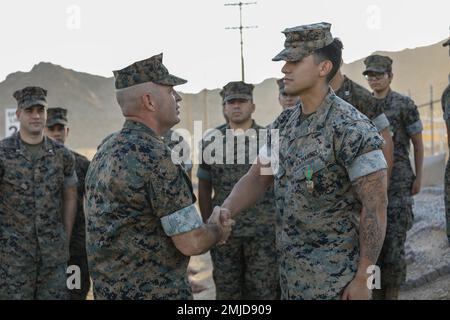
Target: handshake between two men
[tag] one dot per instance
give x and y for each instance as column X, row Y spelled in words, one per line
column 222, row 218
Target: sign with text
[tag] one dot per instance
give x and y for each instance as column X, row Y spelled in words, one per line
column 12, row 124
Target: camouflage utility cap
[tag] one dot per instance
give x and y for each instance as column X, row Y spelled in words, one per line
column 377, row 63
column 237, row 90
column 148, row 70
column 57, row 116
column 30, row 96
column 303, row 40
column 446, row 43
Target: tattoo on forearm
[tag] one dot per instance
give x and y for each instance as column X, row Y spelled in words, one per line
column 372, row 192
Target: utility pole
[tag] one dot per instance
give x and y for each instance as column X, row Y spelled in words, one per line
column 241, row 27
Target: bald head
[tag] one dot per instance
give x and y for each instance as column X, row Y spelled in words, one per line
column 130, row 99
column 152, row 104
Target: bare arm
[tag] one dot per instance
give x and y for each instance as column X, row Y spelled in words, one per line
column 69, row 209
column 204, row 198
column 249, row 189
column 372, row 192
column 418, row 161
column 388, row 151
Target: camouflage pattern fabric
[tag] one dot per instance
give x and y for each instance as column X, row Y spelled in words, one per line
column 33, row 281
column 177, row 144
column 446, row 43
column 148, row 70
column 258, row 220
column 245, row 267
column 405, row 121
column 56, row 116
column 30, row 96
column 317, row 230
column 303, row 40
column 362, row 99
column 32, row 235
column 237, row 90
column 377, row 63
column 77, row 247
column 136, row 198
column 445, row 100
column 392, row 261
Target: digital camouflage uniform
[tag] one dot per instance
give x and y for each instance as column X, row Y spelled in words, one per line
column 405, row 122
column 246, row 266
column 136, row 200
column 362, row 99
column 445, row 100
column 78, row 255
column 33, row 242
column 77, row 247
column 319, row 158
column 175, row 141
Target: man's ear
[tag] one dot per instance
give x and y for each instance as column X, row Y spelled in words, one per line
column 325, row 68
column 67, row 132
column 18, row 113
column 148, row 101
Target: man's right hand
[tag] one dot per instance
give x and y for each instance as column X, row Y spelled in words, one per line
column 222, row 218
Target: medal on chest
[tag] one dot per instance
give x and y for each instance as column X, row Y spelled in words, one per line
column 309, row 181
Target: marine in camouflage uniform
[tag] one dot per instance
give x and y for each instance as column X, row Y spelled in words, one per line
column 320, row 155
column 362, row 99
column 445, row 100
column 138, row 200
column 285, row 100
column 57, row 129
column 319, row 233
column 33, row 180
column 405, row 122
column 246, row 266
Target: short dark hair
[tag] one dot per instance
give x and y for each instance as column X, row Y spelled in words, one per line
column 332, row 52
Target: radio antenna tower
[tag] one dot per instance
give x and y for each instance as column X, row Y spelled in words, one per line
column 240, row 28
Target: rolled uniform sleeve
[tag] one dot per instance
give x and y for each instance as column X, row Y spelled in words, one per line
column 381, row 122
column 181, row 221
column 359, row 150
column 379, row 118
column 70, row 176
column 411, row 118
column 172, row 199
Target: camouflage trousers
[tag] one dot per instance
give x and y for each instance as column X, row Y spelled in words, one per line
column 32, row 281
column 81, row 262
column 78, row 257
column 392, row 261
column 447, row 198
column 246, row 268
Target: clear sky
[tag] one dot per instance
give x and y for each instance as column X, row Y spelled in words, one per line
column 98, row 36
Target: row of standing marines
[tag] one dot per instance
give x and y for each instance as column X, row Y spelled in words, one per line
column 339, row 201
